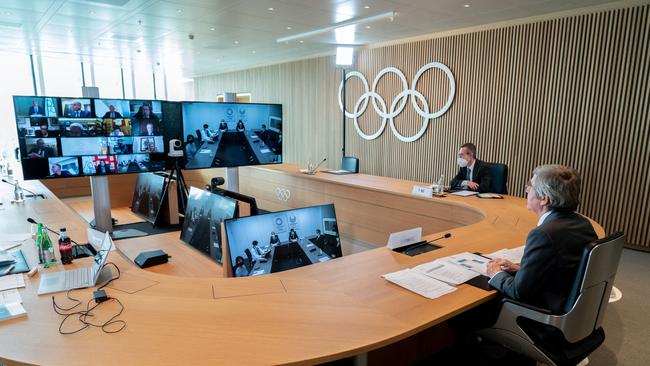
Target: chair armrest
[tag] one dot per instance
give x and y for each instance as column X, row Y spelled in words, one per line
column 514, row 309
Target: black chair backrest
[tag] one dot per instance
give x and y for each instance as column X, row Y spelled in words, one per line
column 602, row 270
column 499, row 178
column 198, row 136
column 350, row 163
column 249, row 255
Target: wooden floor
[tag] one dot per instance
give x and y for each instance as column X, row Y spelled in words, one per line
column 84, row 207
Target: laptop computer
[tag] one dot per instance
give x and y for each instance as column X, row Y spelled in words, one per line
column 76, row 278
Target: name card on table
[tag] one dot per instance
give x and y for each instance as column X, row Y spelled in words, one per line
column 425, row 191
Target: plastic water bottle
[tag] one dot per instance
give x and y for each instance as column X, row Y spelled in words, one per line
column 438, row 188
column 65, row 247
column 19, row 196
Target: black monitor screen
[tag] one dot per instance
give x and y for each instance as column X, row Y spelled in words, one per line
column 280, row 241
column 148, row 196
column 231, row 134
column 202, row 224
column 94, row 136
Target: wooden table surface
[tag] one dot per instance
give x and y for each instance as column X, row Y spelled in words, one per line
column 185, row 312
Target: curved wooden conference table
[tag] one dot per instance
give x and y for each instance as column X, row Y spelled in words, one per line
column 184, row 312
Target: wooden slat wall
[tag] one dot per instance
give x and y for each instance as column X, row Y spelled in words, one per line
column 573, row 91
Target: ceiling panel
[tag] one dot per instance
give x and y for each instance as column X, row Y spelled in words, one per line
column 116, row 29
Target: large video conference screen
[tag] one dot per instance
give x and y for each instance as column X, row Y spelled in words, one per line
column 66, row 137
column 280, row 241
column 231, row 134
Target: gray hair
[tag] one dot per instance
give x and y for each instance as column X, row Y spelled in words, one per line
column 560, row 184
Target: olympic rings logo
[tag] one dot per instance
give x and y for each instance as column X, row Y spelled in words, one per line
column 399, row 103
column 282, row 194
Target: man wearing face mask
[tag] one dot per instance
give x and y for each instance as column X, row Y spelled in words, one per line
column 474, row 174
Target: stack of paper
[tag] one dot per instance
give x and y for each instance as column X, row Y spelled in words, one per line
column 12, row 281
column 464, row 193
column 514, row 255
column 418, row 282
column 446, row 272
column 13, row 310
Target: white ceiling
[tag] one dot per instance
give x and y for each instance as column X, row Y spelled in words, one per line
column 232, row 34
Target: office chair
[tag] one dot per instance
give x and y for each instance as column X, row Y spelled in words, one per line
column 499, row 178
column 350, row 163
column 249, row 256
column 564, row 339
column 198, row 136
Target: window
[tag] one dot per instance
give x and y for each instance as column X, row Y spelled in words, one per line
column 16, row 76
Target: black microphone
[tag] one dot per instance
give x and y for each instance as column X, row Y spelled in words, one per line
column 32, row 221
column 318, row 165
column 447, row 235
column 24, row 189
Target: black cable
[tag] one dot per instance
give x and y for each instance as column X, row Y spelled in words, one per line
column 84, row 314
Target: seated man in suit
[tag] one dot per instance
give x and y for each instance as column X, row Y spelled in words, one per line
column 275, row 239
column 553, row 249
column 57, row 172
column 223, row 126
column 44, row 132
column 319, row 239
column 293, row 236
column 258, row 253
column 41, row 150
column 112, row 114
column 35, row 109
column 206, row 134
column 76, row 111
column 474, row 174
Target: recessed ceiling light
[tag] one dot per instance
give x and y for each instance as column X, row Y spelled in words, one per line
column 368, row 27
column 236, row 42
column 289, row 28
column 367, row 7
column 271, row 9
column 92, row 12
column 301, row 41
column 179, row 10
column 138, row 51
column 466, row 6
column 254, row 52
column 213, row 29
column 7, row 13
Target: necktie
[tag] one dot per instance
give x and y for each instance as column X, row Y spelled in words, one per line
column 41, row 152
column 469, row 174
column 112, row 115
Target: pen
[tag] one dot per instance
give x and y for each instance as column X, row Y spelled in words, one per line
column 9, row 269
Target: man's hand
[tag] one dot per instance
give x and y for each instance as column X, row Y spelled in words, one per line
column 472, row 185
column 499, row 264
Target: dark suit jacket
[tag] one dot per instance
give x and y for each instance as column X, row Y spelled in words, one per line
column 549, row 265
column 107, row 115
column 48, row 152
column 480, row 175
column 40, row 111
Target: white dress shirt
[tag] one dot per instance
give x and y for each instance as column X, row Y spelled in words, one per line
column 470, row 169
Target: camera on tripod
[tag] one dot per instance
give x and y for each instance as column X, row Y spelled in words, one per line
column 175, row 148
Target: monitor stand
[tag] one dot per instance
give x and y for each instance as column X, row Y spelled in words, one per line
column 232, row 179
column 102, row 209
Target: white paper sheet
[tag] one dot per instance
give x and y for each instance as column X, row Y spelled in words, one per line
column 514, row 255
column 10, row 296
column 419, row 283
column 9, row 282
column 469, row 261
column 464, row 193
column 446, row 272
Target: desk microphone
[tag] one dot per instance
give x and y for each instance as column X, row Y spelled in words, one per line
column 24, row 189
column 318, row 165
column 448, row 235
column 32, row 221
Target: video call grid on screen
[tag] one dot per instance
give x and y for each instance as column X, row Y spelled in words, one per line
column 202, row 223
column 75, row 128
column 238, row 134
column 316, row 240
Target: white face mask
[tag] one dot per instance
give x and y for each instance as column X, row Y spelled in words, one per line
column 462, row 162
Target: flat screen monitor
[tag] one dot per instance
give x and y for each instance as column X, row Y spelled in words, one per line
column 280, row 241
column 148, row 196
column 231, row 134
column 202, row 224
column 63, row 137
